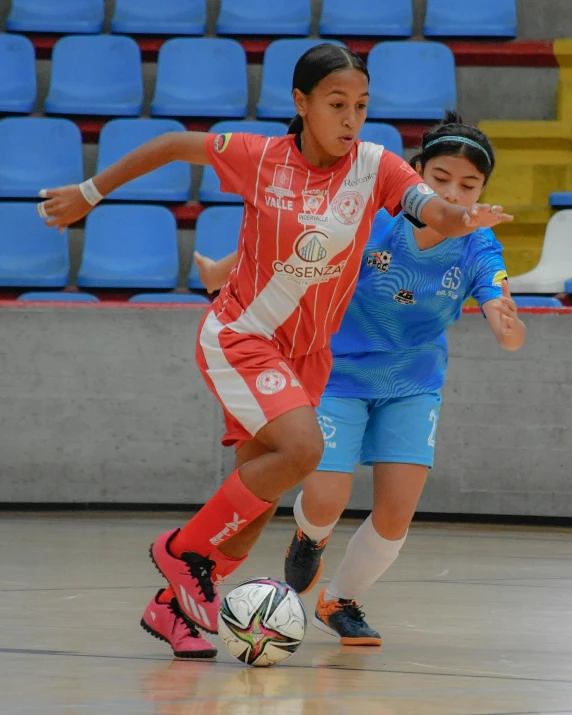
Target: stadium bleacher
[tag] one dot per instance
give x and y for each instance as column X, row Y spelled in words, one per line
column 142, row 71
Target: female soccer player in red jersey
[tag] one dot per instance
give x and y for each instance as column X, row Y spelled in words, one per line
column 263, row 347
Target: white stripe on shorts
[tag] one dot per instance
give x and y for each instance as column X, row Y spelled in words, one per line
column 233, row 390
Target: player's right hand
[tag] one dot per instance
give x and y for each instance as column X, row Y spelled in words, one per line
column 63, row 206
column 207, row 272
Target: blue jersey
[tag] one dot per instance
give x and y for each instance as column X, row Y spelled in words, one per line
column 392, row 341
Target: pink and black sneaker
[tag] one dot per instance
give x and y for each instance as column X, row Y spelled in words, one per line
column 191, row 578
column 165, row 622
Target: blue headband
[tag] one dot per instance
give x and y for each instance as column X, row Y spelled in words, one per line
column 462, row 140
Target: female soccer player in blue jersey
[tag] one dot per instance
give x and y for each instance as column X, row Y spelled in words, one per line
column 381, row 405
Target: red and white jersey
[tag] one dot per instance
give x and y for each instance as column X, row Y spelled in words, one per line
column 303, row 232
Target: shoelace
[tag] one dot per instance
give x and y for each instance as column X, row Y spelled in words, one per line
column 306, row 547
column 176, row 610
column 352, row 610
column 201, row 568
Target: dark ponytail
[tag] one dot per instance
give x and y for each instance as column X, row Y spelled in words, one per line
column 316, row 64
column 482, row 155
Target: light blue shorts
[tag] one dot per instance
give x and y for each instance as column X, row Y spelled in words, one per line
column 399, row 429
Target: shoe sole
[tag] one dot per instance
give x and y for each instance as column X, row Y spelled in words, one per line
column 184, row 616
column 314, row 581
column 186, row 655
column 345, row 640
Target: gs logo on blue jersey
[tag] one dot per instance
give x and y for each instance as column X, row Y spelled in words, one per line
column 379, row 260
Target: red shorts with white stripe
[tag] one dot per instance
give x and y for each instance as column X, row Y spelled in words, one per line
column 252, row 379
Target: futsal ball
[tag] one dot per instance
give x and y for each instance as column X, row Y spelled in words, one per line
column 262, row 622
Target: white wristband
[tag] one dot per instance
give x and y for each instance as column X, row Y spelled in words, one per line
column 90, row 192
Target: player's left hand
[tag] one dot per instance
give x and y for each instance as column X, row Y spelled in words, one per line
column 507, row 309
column 485, row 216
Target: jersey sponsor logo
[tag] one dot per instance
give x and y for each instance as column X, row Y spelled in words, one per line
column 279, row 203
column 221, row 142
column 270, row 382
column 348, row 207
column 313, row 199
column 499, row 277
column 308, row 274
column 360, row 180
column 451, row 282
column 379, row 260
column 405, row 297
column 312, row 219
column 310, row 246
column 282, row 181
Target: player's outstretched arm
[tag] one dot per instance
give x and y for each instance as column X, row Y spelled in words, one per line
column 502, row 316
column 455, row 221
column 67, row 204
column 214, row 274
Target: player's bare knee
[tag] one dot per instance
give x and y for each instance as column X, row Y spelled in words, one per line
column 305, row 455
column 392, row 526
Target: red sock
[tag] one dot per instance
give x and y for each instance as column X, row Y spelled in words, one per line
column 224, row 566
column 224, row 515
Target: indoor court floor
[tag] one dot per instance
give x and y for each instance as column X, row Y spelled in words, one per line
column 475, row 621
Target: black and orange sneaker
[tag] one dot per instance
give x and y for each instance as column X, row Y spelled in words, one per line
column 303, row 565
column 345, row 620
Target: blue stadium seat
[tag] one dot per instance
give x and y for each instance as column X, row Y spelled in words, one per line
column 47, row 297
column 96, row 74
column 386, row 134
column 38, row 153
column 364, row 17
column 171, row 182
column 209, row 190
column 169, row 298
column 561, row 199
column 31, row 254
column 17, row 74
column 129, row 247
column 218, row 89
column 536, row 301
column 478, row 18
column 264, row 17
column 411, row 80
column 218, row 228
column 279, row 61
column 65, row 16
column 568, row 286
column 167, row 17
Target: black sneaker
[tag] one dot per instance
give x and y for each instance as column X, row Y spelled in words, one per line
column 345, row 620
column 303, row 565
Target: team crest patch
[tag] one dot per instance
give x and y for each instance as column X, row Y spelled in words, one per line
column 424, row 189
column 282, row 181
column 221, row 142
column 405, row 297
column 270, row 382
column 379, row 260
column 348, row 207
column 499, row 277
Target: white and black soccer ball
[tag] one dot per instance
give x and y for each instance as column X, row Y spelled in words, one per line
column 385, row 259
column 262, row 622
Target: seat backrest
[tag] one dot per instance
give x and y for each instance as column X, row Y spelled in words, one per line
column 17, row 73
column 100, row 65
column 120, row 136
column 217, row 233
column 280, row 59
column 385, row 134
column 222, row 63
column 150, row 16
column 412, row 74
column 29, row 249
column 557, row 246
column 487, row 17
column 250, row 126
column 38, row 153
column 276, row 16
column 57, row 297
column 56, row 16
column 134, row 232
column 367, row 17
column 536, row 301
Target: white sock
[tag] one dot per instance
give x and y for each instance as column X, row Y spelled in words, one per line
column 367, row 557
column 316, row 533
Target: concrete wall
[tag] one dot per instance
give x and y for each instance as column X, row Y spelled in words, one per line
column 106, row 405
